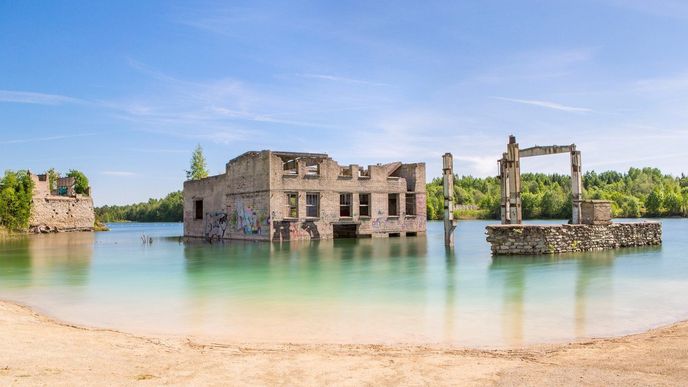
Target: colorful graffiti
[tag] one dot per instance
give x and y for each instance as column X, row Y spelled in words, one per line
column 246, row 220
column 215, row 225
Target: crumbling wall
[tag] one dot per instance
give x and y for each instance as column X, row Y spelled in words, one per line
column 334, row 179
column 57, row 213
column 235, row 204
column 213, row 223
column 528, row 239
column 249, row 201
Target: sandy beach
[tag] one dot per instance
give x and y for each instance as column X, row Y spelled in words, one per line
column 38, row 350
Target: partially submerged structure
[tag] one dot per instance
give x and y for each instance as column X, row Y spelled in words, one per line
column 448, row 193
column 510, row 178
column 60, row 208
column 282, row 196
column 590, row 227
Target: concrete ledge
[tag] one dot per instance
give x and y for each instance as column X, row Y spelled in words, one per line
column 532, row 239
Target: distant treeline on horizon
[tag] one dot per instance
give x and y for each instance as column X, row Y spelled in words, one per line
column 636, row 193
column 168, row 209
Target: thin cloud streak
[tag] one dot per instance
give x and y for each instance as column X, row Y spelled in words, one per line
column 335, row 78
column 545, row 104
column 51, row 138
column 28, row 97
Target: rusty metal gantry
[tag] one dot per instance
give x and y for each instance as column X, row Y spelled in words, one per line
column 510, row 178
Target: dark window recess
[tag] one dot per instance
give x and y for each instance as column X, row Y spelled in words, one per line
column 290, row 167
column 312, row 204
column 198, row 209
column 292, row 205
column 410, row 204
column 364, row 204
column 312, row 168
column 344, row 231
column 345, row 205
column 393, row 205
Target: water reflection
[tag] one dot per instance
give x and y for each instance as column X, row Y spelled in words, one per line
column 370, row 290
column 47, row 260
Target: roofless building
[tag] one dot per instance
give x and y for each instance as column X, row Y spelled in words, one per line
column 282, row 196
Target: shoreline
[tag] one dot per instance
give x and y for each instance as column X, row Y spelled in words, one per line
column 33, row 347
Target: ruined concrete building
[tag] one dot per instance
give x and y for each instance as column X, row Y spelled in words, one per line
column 281, row 196
column 60, row 208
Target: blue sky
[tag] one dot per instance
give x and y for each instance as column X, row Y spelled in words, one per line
column 124, row 91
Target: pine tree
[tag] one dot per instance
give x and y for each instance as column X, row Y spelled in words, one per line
column 199, row 169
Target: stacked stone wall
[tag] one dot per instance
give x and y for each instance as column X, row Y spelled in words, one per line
column 58, row 213
column 527, row 239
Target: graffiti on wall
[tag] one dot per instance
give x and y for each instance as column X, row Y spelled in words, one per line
column 291, row 231
column 247, row 220
column 215, row 224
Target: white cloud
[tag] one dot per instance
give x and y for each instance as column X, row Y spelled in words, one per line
column 545, row 104
column 34, row 98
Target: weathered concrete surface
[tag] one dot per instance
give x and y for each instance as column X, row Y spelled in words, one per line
column 251, row 199
column 596, row 211
column 529, row 239
column 53, row 213
column 57, row 213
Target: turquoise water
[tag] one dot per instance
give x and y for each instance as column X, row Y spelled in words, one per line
column 396, row 290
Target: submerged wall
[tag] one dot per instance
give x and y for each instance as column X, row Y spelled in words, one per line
column 61, row 213
column 529, row 239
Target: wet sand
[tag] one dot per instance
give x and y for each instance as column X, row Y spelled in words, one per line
column 38, row 350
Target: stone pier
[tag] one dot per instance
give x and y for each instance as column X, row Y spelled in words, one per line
column 533, row 239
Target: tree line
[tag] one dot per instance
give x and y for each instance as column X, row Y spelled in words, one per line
column 168, row 209
column 638, row 192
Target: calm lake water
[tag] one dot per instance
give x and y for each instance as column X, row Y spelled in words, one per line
column 401, row 290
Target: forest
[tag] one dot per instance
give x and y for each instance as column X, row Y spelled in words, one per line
column 637, row 193
column 168, row 209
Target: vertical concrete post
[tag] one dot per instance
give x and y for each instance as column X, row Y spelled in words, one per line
column 448, row 189
column 576, row 186
column 504, row 190
column 513, row 172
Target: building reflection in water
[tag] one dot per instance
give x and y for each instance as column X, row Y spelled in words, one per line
column 47, row 260
column 593, row 287
column 320, row 282
column 450, row 307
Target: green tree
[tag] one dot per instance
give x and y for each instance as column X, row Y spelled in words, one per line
column 673, row 203
column 552, row 203
column 530, row 205
column 16, row 191
column 199, row 169
column 653, row 203
column 53, row 175
column 80, row 181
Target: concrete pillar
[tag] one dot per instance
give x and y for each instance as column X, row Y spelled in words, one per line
column 576, row 186
column 513, row 183
column 448, row 189
column 504, row 190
